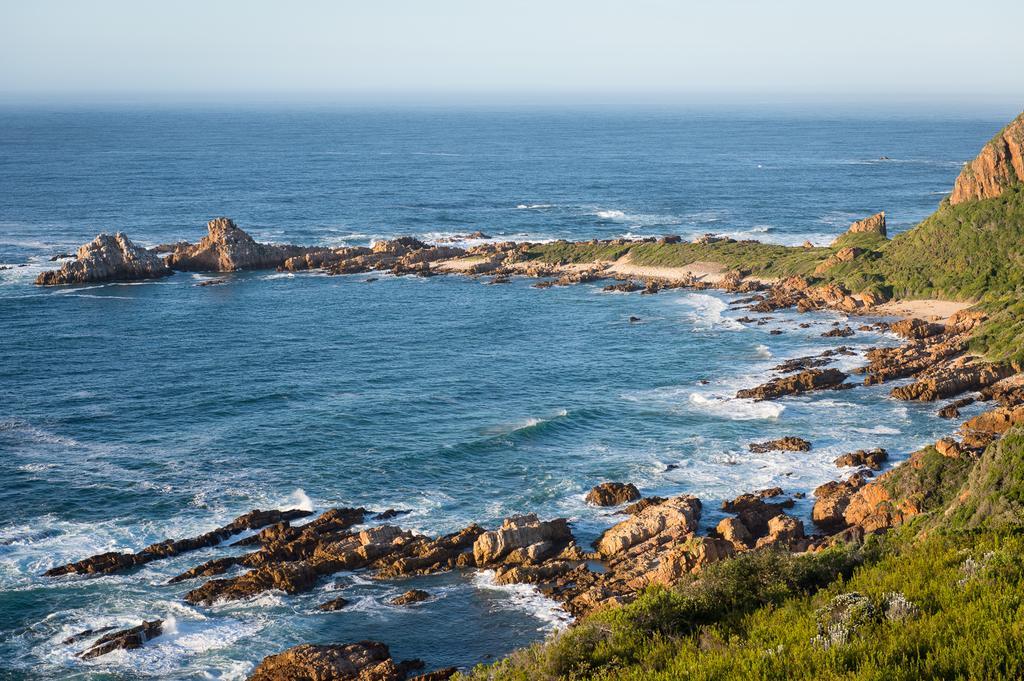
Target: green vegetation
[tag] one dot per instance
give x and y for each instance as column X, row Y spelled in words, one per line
column 955, row 575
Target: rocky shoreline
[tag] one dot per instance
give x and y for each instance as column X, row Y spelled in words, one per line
column 657, row 543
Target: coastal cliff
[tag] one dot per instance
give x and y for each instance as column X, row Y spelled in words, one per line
column 999, row 165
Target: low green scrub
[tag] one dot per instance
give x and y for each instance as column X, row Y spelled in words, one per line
column 940, row 597
column 967, row 621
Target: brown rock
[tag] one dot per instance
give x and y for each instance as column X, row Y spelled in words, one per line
column 363, row 661
column 916, row 328
column 953, row 379
column 410, row 597
column 831, row 501
column 520, row 532
column 842, row 255
column 805, row 381
column 870, row 225
column 613, row 494
column 785, row 444
column 873, row 458
column 678, row 515
column 124, row 639
column 226, row 248
column 106, row 563
column 107, row 258
column 999, row 165
column 333, row 604
column 952, row 410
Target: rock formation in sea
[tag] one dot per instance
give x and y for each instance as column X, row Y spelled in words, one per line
column 613, row 494
column 107, row 258
column 999, row 165
column 226, row 248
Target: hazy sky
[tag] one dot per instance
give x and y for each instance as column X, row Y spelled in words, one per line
column 934, row 50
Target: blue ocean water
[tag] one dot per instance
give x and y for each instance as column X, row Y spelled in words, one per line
column 134, row 412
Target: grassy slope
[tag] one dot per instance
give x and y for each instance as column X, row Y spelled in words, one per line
column 970, row 252
column 961, row 563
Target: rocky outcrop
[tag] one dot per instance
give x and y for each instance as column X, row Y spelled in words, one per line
column 784, row 444
column 873, row 458
column 805, row 381
column 107, row 258
column 524, row 535
column 362, row 661
column 226, row 248
column 123, row 639
column 612, row 494
column 831, row 500
column 113, row 561
column 678, row 516
column 870, row 225
column 999, row 165
column 952, row 379
column 410, row 597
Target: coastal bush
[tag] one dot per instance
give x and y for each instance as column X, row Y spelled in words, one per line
column 960, row 597
column 993, row 497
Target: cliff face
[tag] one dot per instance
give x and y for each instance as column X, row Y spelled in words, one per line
column 999, row 165
column 107, row 258
column 227, row 248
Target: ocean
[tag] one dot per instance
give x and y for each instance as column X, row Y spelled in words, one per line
column 130, row 413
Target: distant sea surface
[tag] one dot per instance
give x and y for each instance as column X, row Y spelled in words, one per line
column 134, row 412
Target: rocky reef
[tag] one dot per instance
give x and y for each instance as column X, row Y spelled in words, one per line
column 107, row 258
column 226, row 248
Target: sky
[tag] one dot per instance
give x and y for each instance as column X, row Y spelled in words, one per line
column 865, row 52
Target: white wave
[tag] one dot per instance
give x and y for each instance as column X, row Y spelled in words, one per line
column 534, row 206
column 878, row 430
column 763, row 352
column 707, row 312
column 526, row 598
column 526, row 423
column 610, row 214
column 737, row 409
column 299, row 500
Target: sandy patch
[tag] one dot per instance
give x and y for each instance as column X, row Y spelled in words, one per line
column 931, row 309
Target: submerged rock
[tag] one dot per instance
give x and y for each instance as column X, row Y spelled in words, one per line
column 123, row 639
column 784, row 444
column 113, row 561
column 410, row 597
column 107, row 258
column 333, row 605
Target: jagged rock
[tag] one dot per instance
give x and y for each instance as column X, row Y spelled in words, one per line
column 227, row 248
column 410, row 597
column 638, row 506
column 949, row 447
column 613, row 494
column 785, row 444
column 106, row 563
column 107, row 258
column 82, row 635
column 953, row 379
column 736, row 533
column 678, row 516
column 520, row 533
column 753, row 514
column 784, row 530
column 805, row 381
column 838, row 332
column 123, row 639
column 831, row 500
column 870, row 225
column 999, row 165
column 984, row 428
column 362, row 661
column 333, row 604
column 952, row 410
column 873, row 458
column 916, row 328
